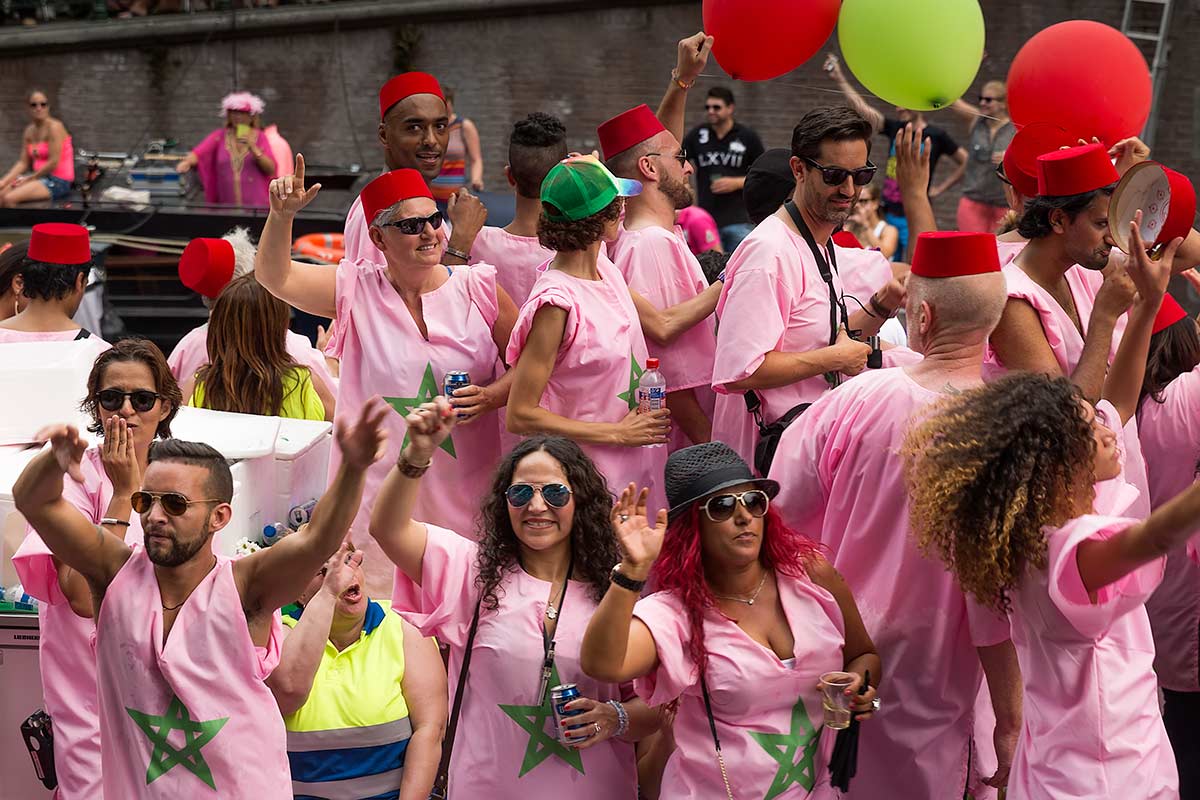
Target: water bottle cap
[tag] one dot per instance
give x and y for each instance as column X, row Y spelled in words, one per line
column 651, row 363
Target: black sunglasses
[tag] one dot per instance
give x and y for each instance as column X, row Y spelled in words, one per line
column 142, row 400
column 38, row 105
column 986, row 99
column 713, row 108
column 521, row 494
column 836, row 176
column 720, row 507
column 414, row 225
column 681, row 156
column 1001, row 174
column 173, row 503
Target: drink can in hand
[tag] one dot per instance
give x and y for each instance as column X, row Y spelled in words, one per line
column 560, row 696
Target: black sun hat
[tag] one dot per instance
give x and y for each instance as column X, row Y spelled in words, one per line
column 698, row 471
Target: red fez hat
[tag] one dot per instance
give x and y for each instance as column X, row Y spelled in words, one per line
column 406, row 85
column 846, row 239
column 1168, row 314
column 59, row 243
column 1075, row 170
column 206, row 266
column 1020, row 159
column 390, row 188
column 627, row 129
column 953, row 254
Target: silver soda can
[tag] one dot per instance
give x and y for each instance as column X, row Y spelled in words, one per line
column 560, row 696
column 301, row 514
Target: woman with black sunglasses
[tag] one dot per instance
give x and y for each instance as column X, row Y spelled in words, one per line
column 132, row 398
column 517, row 602
column 400, row 328
column 746, row 618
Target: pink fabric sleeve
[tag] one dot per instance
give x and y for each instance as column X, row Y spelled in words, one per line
column 1066, row 587
column 481, row 286
column 803, row 464
column 546, row 296
column 664, row 616
column 268, row 657
column 752, row 324
column 444, row 603
column 987, row 627
column 346, row 288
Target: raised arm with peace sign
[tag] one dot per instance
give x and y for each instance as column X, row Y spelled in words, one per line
column 288, row 194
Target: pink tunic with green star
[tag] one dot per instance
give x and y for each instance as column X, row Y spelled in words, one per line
column 66, row 657
column 191, row 717
column 383, row 352
column 768, row 714
column 505, row 748
column 596, row 371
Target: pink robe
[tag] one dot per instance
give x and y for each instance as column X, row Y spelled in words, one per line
column 842, row 484
column 191, row 717
column 383, row 352
column 191, row 353
column 1170, row 437
column 596, row 372
column 505, row 749
column 356, row 238
column 516, row 259
column 65, row 650
column 774, row 299
column 768, row 714
column 247, row 188
column 657, row 264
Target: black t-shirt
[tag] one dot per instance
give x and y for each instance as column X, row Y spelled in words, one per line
column 942, row 144
column 715, row 158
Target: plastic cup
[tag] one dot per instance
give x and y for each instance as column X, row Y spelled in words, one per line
column 834, row 699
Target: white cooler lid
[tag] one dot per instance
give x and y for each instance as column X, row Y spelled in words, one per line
column 44, row 384
column 12, row 461
column 236, row 436
column 298, row 436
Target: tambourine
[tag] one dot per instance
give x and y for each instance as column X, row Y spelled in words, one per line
column 1166, row 199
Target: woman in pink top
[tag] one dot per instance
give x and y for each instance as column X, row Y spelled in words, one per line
column 1169, row 426
column 46, row 167
column 512, row 609
column 235, row 162
column 747, row 617
column 132, row 399
column 400, row 327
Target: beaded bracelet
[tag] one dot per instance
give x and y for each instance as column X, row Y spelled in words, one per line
column 622, row 717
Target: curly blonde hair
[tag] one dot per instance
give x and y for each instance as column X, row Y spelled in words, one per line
column 988, row 469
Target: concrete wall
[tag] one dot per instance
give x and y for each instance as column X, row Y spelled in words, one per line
column 578, row 60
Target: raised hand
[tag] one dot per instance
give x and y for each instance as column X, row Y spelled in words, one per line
column 288, row 195
column 364, row 442
column 692, row 56
column 119, row 458
column 467, row 214
column 640, row 540
column 428, row 426
column 340, row 570
column 912, row 159
column 833, row 66
column 67, row 446
column 1128, row 152
column 1149, row 273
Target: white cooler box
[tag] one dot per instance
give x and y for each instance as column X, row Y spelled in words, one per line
column 44, row 382
column 301, row 464
column 12, row 524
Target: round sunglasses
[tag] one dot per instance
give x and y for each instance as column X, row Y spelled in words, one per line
column 173, row 503
column 720, row 507
column 414, row 225
column 142, row 400
column 836, row 176
column 520, row 495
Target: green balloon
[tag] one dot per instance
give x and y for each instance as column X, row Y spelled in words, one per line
column 916, row 54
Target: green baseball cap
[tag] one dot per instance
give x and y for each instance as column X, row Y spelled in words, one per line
column 581, row 186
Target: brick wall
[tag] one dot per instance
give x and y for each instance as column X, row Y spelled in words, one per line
column 582, row 65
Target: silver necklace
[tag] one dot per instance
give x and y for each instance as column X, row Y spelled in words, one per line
column 551, row 611
column 753, row 597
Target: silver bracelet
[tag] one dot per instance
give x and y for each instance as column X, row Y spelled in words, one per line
column 622, row 717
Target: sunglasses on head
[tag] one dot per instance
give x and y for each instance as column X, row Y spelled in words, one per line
column 681, row 156
column 836, row 176
column 521, row 494
column 414, row 225
column 720, row 507
column 173, row 503
column 142, row 400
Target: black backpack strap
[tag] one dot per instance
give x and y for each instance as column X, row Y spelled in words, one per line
column 83, row 334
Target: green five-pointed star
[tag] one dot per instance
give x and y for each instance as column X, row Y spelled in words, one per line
column 425, row 393
column 635, row 375
column 783, row 748
column 542, row 745
column 195, row 735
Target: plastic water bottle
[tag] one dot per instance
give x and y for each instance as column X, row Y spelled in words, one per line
column 652, row 388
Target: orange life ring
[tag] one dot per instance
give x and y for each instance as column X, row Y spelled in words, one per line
column 327, row 247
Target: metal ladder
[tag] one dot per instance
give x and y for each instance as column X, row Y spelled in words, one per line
column 1152, row 41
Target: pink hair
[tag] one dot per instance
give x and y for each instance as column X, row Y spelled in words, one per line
column 242, row 101
column 680, row 567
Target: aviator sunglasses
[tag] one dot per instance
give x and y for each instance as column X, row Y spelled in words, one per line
column 173, row 503
column 836, row 176
column 142, row 400
column 521, row 494
column 720, row 507
column 414, row 225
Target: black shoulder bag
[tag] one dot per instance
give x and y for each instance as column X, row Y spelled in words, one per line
column 438, row 792
column 769, row 434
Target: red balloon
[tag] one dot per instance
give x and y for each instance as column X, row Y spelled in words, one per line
column 1083, row 76
column 754, row 40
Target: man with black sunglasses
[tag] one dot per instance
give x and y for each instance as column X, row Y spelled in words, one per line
column 784, row 334
column 184, row 637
